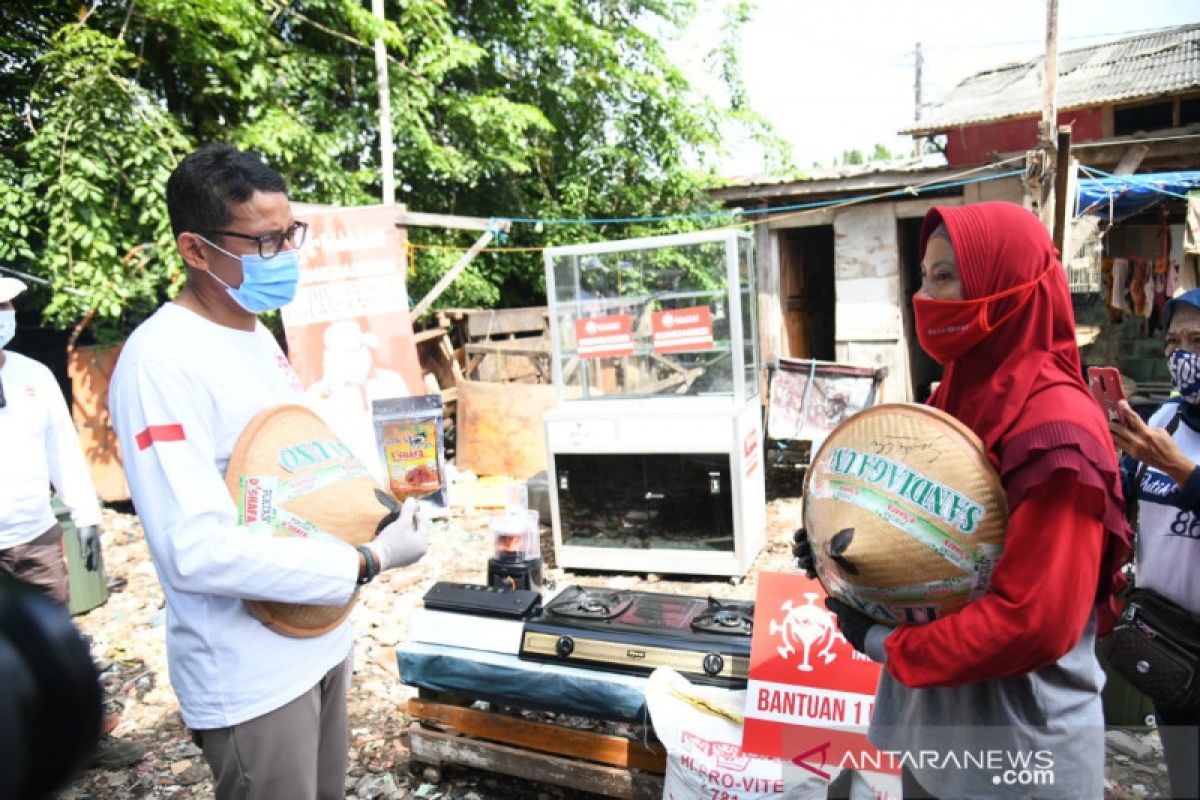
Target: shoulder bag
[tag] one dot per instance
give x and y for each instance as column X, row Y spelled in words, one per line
column 1155, row 644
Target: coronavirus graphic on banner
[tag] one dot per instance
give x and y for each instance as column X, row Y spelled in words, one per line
column 810, row 694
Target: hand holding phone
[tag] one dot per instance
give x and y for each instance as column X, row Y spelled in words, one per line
column 1107, row 388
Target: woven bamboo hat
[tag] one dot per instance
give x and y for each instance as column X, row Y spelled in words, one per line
column 905, row 513
column 290, row 476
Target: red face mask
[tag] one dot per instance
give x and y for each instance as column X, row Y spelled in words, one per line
column 947, row 329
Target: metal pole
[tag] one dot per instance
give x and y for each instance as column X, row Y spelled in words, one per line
column 918, row 141
column 386, row 143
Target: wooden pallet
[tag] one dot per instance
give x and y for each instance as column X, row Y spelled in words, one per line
column 604, row 764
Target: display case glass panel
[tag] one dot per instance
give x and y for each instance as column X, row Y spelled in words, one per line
column 666, row 316
column 645, row 501
column 749, row 304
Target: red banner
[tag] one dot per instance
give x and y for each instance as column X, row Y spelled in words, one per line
column 604, row 337
column 810, row 694
column 682, row 329
column 349, row 335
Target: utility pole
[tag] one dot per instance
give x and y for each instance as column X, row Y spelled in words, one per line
column 918, row 142
column 1049, row 124
column 386, row 144
column 1041, row 171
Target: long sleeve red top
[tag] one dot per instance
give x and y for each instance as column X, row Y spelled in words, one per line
column 1041, row 596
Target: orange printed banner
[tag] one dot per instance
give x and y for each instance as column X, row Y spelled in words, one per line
column 349, row 333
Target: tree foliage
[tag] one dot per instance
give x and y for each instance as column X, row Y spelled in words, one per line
column 532, row 108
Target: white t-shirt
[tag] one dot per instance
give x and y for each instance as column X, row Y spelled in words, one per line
column 1168, row 543
column 40, row 448
column 183, row 391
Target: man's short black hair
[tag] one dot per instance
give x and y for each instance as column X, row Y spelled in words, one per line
column 206, row 184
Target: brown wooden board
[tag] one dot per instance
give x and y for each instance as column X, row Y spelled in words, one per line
column 615, row 750
column 90, row 369
column 504, row 321
column 437, row 358
column 513, row 360
column 500, row 429
column 431, row 747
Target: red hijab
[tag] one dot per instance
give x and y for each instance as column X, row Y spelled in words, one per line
column 1021, row 388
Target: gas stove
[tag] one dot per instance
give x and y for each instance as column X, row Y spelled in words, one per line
column 707, row 640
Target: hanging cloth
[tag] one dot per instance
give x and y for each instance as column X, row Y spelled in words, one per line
column 1137, row 288
column 1189, row 274
column 1191, row 225
column 1120, row 279
column 1148, row 288
column 1161, row 268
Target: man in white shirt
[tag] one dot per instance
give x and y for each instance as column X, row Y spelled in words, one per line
column 41, row 449
column 268, row 710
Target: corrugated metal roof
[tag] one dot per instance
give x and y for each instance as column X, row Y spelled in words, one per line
column 1147, row 65
column 908, row 164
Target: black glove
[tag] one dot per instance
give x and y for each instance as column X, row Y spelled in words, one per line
column 854, row 624
column 89, row 547
column 802, row 550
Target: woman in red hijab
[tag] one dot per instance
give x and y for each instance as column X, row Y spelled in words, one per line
column 1015, row 672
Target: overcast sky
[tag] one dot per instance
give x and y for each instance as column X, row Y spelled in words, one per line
column 836, row 74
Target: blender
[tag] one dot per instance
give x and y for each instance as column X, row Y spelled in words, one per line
column 516, row 561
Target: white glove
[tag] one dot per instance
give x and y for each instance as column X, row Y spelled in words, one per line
column 402, row 541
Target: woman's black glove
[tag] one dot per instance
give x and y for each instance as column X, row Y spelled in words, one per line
column 802, row 550
column 854, row 624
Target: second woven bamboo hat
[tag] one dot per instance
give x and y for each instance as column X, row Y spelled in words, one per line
column 905, row 514
column 291, row 476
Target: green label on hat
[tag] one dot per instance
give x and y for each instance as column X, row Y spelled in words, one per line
column 256, row 501
column 307, row 454
column 898, row 480
column 310, row 482
column 259, row 509
column 917, row 527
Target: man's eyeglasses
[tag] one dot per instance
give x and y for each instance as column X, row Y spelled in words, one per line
column 269, row 244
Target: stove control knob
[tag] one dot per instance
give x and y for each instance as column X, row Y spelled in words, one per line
column 564, row 646
column 713, row 664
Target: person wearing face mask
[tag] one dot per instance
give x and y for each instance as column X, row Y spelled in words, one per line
column 1160, row 465
column 41, row 449
column 1014, row 673
column 268, row 710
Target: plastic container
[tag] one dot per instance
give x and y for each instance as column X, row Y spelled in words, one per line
column 88, row 588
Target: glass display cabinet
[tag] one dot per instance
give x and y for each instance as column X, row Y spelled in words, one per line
column 654, row 447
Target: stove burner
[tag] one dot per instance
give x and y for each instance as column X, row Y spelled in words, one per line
column 597, row 604
column 730, row 617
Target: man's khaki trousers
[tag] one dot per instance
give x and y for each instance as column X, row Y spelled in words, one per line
column 297, row 751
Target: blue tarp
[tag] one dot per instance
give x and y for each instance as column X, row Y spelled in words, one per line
column 1121, row 196
column 506, row 679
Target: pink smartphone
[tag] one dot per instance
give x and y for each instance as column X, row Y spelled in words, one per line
column 1106, row 386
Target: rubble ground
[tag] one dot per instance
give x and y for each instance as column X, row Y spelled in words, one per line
column 127, row 636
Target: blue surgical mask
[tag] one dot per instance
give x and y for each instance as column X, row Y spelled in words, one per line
column 1185, row 375
column 267, row 283
column 8, row 326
